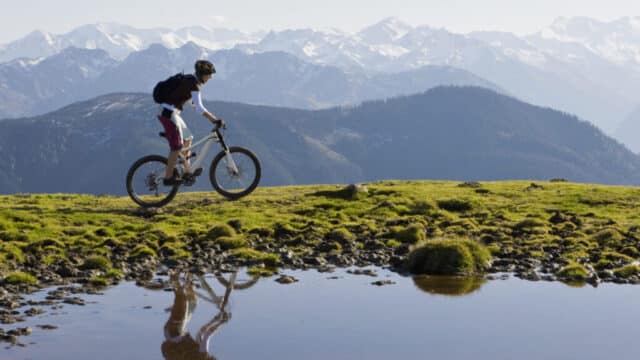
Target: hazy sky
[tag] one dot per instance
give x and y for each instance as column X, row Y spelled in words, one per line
column 19, row 17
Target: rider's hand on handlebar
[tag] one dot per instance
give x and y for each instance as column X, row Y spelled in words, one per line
column 220, row 124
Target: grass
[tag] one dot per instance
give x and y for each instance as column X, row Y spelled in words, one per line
column 449, row 257
column 20, row 278
column 508, row 217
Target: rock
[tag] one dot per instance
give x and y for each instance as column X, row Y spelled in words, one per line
column 74, row 301
column 534, row 186
column 47, row 327
column 356, row 190
column 34, row 312
column 9, row 338
column 286, row 279
column 314, row 260
column 557, row 218
column 470, row 184
column 382, row 282
column 367, row 272
column 26, row 331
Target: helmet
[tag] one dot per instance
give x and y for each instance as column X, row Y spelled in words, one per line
column 204, row 67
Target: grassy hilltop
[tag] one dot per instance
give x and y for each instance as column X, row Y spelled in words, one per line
column 556, row 230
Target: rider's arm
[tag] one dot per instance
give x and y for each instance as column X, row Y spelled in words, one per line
column 197, row 101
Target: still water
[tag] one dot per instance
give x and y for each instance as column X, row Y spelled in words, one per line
column 343, row 318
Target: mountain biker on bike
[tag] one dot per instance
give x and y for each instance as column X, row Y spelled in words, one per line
column 175, row 128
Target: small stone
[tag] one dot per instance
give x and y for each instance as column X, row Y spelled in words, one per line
column 286, row 279
column 383, row 282
column 74, row 301
column 47, row 327
column 367, row 272
column 34, row 312
column 26, row 331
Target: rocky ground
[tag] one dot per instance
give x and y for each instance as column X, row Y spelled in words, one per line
column 576, row 233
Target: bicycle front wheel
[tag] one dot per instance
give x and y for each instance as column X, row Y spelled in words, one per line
column 235, row 175
column 144, row 182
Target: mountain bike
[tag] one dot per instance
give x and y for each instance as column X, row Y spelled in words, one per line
column 234, row 172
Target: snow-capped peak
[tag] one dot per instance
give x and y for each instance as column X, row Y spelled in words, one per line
column 385, row 32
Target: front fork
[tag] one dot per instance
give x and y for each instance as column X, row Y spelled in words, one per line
column 231, row 165
column 232, row 168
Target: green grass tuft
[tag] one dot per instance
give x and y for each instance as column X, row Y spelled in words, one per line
column 449, row 257
column 20, row 278
column 627, row 270
column 96, row 263
column 220, row 231
column 251, row 254
column 231, row 242
column 455, row 205
column 413, row 234
column 573, row 271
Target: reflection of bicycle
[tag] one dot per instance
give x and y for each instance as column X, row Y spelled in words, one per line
column 179, row 344
column 234, row 173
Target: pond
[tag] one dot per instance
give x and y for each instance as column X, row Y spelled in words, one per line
column 340, row 315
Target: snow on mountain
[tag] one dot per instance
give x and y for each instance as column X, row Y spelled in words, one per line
column 385, row 32
column 121, row 40
column 617, row 41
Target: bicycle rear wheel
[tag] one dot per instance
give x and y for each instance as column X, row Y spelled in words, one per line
column 144, row 182
column 235, row 182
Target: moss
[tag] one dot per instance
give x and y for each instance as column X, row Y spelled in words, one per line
column 96, row 263
column 494, row 248
column 341, row 235
column 11, row 252
column 251, row 254
column 20, row 278
column 449, row 285
column 393, row 243
column 262, row 271
column 173, row 251
column 220, row 231
column 627, row 271
column 448, row 257
column 455, row 205
column 284, row 231
column 411, row 235
column 231, row 242
column 420, row 208
column 114, row 274
column 350, row 192
column 573, row 271
column 528, row 224
column 141, row 251
column 607, row 237
column 99, row 281
column 104, row 232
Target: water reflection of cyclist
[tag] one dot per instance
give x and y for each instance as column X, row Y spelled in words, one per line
column 179, row 343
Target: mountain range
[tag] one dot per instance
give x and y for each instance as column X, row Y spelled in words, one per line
column 461, row 133
column 270, row 78
column 578, row 65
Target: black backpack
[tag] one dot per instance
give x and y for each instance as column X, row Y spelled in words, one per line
column 163, row 89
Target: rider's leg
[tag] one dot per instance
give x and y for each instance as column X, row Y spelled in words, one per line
column 171, row 163
column 174, row 137
column 187, row 153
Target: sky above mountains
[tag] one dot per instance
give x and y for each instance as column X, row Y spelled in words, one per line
column 463, row 16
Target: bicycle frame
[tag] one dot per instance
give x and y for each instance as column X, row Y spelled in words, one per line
column 208, row 140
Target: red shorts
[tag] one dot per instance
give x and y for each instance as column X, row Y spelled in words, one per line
column 171, row 133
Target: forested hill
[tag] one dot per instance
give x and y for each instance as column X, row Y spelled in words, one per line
column 445, row 133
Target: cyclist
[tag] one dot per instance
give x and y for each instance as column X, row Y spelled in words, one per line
column 175, row 128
